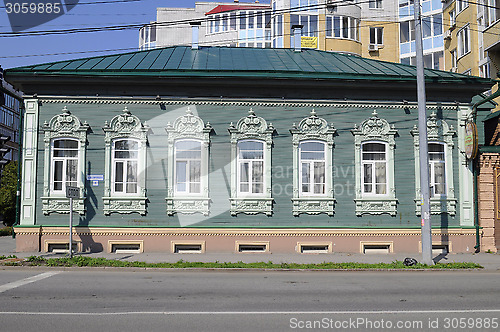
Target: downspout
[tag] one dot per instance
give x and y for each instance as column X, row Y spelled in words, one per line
column 475, row 168
column 19, row 160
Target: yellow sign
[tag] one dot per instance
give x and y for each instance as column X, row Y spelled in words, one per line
column 309, row 42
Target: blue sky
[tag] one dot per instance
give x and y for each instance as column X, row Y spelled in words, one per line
column 21, row 51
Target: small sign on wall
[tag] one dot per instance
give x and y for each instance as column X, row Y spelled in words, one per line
column 95, row 178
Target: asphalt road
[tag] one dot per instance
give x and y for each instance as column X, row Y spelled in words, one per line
column 152, row 300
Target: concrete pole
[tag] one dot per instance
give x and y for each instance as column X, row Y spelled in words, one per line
column 71, row 227
column 423, row 147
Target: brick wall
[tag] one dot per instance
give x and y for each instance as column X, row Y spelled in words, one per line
column 488, row 163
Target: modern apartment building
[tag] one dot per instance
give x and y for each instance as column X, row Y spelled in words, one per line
column 10, row 108
column 222, row 24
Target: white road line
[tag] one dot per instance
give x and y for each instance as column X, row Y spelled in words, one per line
column 395, row 312
column 26, row 281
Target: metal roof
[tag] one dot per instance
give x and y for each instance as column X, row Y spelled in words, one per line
column 182, row 61
column 233, row 7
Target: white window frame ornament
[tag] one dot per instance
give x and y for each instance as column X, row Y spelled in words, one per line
column 313, row 128
column 375, row 130
column 251, row 127
column 125, row 126
column 64, row 126
column 188, row 126
column 438, row 131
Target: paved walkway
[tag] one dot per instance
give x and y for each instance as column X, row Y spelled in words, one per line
column 489, row 261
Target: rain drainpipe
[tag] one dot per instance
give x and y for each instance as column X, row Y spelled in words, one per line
column 476, row 168
column 19, row 160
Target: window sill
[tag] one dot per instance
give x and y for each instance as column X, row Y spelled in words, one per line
column 188, row 205
column 125, row 205
column 439, row 205
column 376, row 206
column 61, row 205
column 313, row 205
column 252, row 205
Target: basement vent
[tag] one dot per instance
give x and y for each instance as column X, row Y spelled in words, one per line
column 61, row 248
column 314, row 249
column 187, row 248
column 252, row 248
column 440, row 249
column 376, row 248
column 126, row 248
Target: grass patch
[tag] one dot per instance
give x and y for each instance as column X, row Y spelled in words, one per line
column 83, row 261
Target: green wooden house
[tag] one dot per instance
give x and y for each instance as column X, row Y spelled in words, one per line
column 238, row 149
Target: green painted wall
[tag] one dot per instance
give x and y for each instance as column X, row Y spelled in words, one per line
column 343, row 119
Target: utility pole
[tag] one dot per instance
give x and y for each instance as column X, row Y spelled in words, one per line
column 422, row 141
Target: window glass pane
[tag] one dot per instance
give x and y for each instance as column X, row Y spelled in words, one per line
column 251, row 150
column 439, row 184
column 345, row 27
column 66, row 144
column 251, row 17
column 244, row 176
column 367, row 177
column 126, row 145
column 181, row 176
column 374, row 147
column 426, row 26
column 132, row 177
column 58, row 175
column 437, row 24
column 404, row 32
column 380, row 178
column 257, row 170
column 119, row 172
column 336, row 26
column 243, row 19
column 195, row 176
column 329, row 26
column 319, row 177
column 372, row 36
column 305, row 177
column 71, row 172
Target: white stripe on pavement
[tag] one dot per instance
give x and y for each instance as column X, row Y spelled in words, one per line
column 26, row 281
column 252, row 312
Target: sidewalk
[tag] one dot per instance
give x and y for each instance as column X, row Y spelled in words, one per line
column 490, row 262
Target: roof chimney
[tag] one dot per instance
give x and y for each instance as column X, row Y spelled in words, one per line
column 195, row 27
column 297, row 34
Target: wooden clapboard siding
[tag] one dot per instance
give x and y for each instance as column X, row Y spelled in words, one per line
column 342, row 118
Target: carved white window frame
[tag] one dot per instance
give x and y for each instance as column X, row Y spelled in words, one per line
column 125, row 126
column 313, row 129
column 375, row 130
column 63, row 126
column 438, row 131
column 251, row 163
column 188, row 169
column 188, row 126
column 251, row 127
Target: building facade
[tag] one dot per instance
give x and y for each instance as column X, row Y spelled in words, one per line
column 223, row 149
column 10, row 110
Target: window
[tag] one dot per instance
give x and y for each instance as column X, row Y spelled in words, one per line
column 461, row 5
column 125, row 162
column 374, row 167
column 187, row 166
column 453, row 55
column 251, row 143
column 342, row 27
column 463, row 41
column 374, row 164
column 125, row 165
column 436, row 169
column 312, row 168
column 313, row 141
column 440, row 148
column 64, row 162
column 452, row 17
column 250, row 167
column 377, row 36
column 375, row 4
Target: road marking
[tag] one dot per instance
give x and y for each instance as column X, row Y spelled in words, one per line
column 251, row 312
column 26, row 281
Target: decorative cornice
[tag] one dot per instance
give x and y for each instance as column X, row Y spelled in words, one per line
column 250, row 103
column 174, row 232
